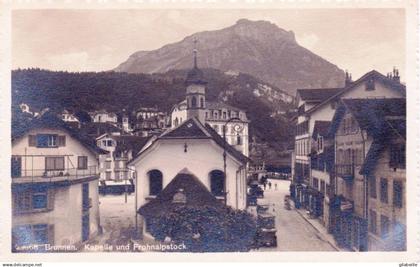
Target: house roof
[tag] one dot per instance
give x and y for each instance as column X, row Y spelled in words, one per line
column 321, row 128
column 50, row 120
column 398, row 126
column 196, row 195
column 373, row 115
column 96, row 129
column 372, row 156
column 383, row 119
column 370, row 75
column 189, row 129
column 223, row 143
column 220, row 105
column 317, row 94
column 130, row 142
column 193, row 129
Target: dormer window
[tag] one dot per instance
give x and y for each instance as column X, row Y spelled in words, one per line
column 370, row 85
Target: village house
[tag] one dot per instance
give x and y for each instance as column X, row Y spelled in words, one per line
column 113, row 167
column 54, row 172
column 190, row 155
column 149, row 122
column 123, row 119
column 313, row 183
column 307, row 99
column 370, row 173
column 70, row 118
column 103, row 116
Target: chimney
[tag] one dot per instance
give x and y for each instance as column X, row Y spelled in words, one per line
column 395, row 75
column 348, row 79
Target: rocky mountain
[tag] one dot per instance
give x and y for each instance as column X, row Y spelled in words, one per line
column 258, row 48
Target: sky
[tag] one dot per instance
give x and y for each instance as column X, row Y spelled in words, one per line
column 357, row 40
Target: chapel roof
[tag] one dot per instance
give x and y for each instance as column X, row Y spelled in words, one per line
column 196, row 195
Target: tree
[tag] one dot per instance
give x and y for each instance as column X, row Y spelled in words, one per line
column 206, row 229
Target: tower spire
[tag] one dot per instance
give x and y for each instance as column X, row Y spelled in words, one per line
column 195, row 52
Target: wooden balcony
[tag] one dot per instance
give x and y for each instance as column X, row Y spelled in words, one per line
column 345, row 171
column 63, row 173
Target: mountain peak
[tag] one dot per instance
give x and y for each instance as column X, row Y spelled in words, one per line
column 259, row 48
column 262, row 29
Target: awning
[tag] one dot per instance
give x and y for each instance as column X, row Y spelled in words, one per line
column 346, row 206
column 116, row 183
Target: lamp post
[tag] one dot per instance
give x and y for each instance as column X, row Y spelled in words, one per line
column 237, row 128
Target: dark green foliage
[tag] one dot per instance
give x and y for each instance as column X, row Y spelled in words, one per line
column 115, row 91
column 225, row 230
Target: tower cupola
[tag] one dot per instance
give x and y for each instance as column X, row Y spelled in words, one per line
column 196, row 90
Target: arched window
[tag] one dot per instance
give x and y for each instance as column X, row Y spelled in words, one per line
column 238, row 140
column 193, row 102
column 202, row 102
column 217, row 182
column 155, row 182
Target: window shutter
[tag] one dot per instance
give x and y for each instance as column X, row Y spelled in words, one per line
column 51, row 198
column 51, row 234
column 61, row 140
column 32, row 140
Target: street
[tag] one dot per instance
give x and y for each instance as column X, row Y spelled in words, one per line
column 117, row 220
column 294, row 233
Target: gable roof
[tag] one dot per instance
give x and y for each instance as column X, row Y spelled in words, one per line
column 383, row 119
column 193, row 129
column 317, row 94
column 96, row 129
column 370, row 75
column 195, row 192
column 372, row 156
column 130, row 142
column 50, row 120
column 223, row 143
column 321, row 128
column 372, row 114
column 189, row 129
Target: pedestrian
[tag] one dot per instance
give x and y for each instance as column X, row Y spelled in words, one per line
column 269, row 185
column 275, row 185
column 265, row 184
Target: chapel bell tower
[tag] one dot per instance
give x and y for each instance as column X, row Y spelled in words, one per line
column 196, row 91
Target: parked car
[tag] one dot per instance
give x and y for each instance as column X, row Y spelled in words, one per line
column 254, row 189
column 262, row 208
column 266, row 230
column 252, row 200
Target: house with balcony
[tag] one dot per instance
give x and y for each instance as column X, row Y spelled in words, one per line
column 113, row 170
column 316, row 107
column 54, row 173
column 302, row 185
column 369, row 139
